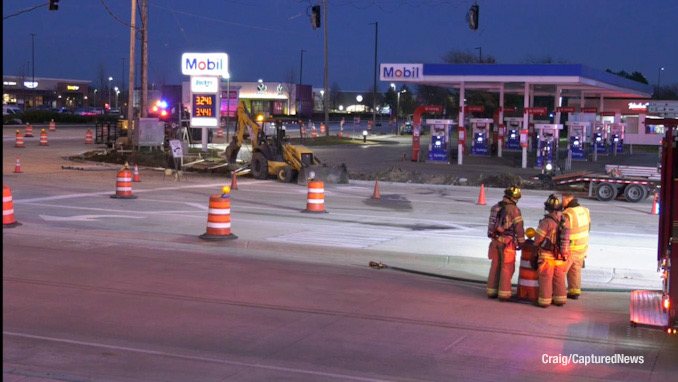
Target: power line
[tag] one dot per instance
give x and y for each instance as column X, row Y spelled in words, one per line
column 25, row 10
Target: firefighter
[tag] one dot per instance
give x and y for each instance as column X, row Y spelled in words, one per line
column 578, row 220
column 502, row 250
column 552, row 264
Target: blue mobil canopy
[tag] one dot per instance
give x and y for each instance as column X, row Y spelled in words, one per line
column 563, row 80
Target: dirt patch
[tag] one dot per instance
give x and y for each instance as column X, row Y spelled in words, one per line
column 394, row 174
column 398, row 175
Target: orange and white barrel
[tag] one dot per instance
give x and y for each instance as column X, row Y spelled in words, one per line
column 19, row 139
column 322, row 128
column 315, row 202
column 29, row 130
column 52, row 126
column 8, row 220
column 219, row 217
column 123, row 185
column 220, row 132
column 43, row 138
column 314, row 133
column 528, row 278
column 88, row 137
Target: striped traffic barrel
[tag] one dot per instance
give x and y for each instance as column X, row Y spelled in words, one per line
column 123, row 185
column 528, row 278
column 8, row 220
column 315, row 202
column 29, row 130
column 219, row 217
column 43, row 138
column 88, row 137
column 19, row 140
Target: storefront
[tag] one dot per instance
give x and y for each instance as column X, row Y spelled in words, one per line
column 48, row 92
column 261, row 97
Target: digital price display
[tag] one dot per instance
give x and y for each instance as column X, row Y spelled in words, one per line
column 204, row 105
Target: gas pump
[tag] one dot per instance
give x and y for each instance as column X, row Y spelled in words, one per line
column 576, row 139
column 617, row 137
column 513, row 127
column 439, row 148
column 598, row 138
column 481, row 135
column 547, row 151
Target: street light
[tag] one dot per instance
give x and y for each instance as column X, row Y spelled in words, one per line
column 117, row 92
column 110, row 79
column 95, row 97
column 659, row 74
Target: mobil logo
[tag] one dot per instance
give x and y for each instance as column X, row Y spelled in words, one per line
column 401, row 72
column 205, row 64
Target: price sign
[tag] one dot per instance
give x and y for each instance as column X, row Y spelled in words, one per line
column 204, row 105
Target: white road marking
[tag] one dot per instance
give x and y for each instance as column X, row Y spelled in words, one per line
column 84, row 218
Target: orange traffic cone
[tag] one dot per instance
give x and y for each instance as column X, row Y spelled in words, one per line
column 655, row 205
column 8, row 220
column 136, row 177
column 17, row 167
column 234, row 181
column 376, row 195
column 481, row 197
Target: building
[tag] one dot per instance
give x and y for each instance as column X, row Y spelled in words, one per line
column 51, row 92
column 267, row 98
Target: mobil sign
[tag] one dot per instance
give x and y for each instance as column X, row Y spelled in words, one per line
column 401, row 72
column 205, row 64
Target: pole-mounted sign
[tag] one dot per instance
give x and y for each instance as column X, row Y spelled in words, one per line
column 206, row 71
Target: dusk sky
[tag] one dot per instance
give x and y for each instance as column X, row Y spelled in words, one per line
column 264, row 38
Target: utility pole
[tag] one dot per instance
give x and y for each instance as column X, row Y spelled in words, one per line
column 480, row 54
column 374, row 88
column 33, row 62
column 144, row 59
column 132, row 54
column 326, row 95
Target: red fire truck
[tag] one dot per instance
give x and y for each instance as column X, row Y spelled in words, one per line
column 659, row 308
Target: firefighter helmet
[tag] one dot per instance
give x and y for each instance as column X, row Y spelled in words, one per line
column 513, row 192
column 553, row 203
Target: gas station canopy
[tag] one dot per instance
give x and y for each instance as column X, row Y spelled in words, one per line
column 564, row 80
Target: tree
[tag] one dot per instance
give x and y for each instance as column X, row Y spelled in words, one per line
column 335, row 95
column 408, row 103
column 466, row 57
column 635, row 76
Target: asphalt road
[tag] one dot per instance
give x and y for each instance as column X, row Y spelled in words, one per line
column 103, row 289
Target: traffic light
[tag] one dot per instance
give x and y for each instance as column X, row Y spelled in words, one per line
column 53, row 5
column 472, row 17
column 315, row 16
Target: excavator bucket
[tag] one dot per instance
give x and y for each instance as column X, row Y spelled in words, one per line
column 324, row 173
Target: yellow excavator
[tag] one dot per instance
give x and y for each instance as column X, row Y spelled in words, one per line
column 273, row 154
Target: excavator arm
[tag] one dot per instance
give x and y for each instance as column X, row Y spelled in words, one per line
column 244, row 122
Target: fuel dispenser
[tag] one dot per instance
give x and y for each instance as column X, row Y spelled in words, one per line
column 481, row 135
column 617, row 137
column 598, row 138
column 439, row 148
column 576, row 139
column 513, row 127
column 547, row 152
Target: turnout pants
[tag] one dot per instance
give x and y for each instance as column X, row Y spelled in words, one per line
column 503, row 256
column 574, row 265
column 552, row 282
